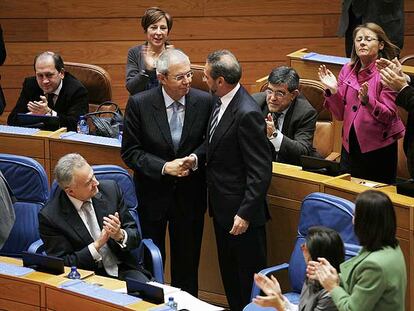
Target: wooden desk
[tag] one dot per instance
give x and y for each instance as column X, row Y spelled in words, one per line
column 40, row 291
column 288, row 188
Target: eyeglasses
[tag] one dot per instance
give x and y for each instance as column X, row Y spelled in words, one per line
column 181, row 77
column 367, row 39
column 278, row 94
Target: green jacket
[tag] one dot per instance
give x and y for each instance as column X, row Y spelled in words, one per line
column 372, row 281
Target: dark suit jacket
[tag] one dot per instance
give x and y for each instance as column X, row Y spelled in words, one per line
column 389, row 14
column 405, row 99
column 239, row 164
column 66, row 236
column 71, row 103
column 147, row 146
column 298, row 129
column 2, row 59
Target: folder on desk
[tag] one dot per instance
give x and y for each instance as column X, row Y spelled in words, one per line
column 44, row 122
column 44, row 263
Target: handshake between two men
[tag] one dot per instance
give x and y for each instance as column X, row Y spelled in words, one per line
column 180, row 167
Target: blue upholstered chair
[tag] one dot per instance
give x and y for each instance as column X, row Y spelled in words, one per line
column 317, row 209
column 29, row 183
column 125, row 182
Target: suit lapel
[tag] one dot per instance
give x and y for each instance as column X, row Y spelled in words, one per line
column 160, row 116
column 73, row 219
column 190, row 116
column 288, row 117
column 226, row 121
column 101, row 208
column 349, row 266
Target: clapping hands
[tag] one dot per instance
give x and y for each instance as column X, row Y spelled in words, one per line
column 328, row 79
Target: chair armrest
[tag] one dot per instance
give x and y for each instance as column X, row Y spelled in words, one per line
column 37, row 247
column 267, row 271
column 157, row 265
column 333, row 156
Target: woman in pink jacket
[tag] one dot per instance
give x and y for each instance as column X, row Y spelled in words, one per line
column 371, row 125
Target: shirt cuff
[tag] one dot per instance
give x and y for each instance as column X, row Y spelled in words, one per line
column 124, row 240
column 53, row 113
column 95, row 254
column 195, row 167
column 277, row 141
column 163, row 169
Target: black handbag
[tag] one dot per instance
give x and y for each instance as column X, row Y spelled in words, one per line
column 106, row 121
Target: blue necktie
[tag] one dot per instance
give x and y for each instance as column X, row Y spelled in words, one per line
column 175, row 126
column 214, row 119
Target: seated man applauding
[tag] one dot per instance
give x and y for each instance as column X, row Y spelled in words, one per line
column 52, row 92
column 87, row 223
column 290, row 118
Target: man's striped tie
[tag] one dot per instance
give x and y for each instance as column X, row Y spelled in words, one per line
column 214, row 119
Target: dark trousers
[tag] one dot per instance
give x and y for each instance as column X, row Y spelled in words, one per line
column 240, row 256
column 378, row 165
column 185, row 245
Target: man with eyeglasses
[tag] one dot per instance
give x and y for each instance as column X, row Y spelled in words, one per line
column 165, row 128
column 53, row 92
column 290, row 118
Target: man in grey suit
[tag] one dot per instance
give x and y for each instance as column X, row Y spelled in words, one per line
column 164, row 127
column 290, row 118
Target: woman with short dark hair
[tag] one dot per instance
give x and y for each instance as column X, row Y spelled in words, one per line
column 320, row 242
column 140, row 69
column 376, row 279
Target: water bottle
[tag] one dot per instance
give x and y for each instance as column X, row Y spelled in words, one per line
column 120, row 131
column 74, row 274
column 172, row 304
column 83, row 127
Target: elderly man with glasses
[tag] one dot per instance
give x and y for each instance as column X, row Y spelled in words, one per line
column 52, row 91
column 164, row 130
column 290, row 118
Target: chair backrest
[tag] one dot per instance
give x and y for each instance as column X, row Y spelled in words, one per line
column 323, row 139
column 320, row 209
column 197, row 81
column 29, row 183
column 95, row 79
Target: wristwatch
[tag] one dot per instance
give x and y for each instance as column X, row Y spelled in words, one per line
column 274, row 135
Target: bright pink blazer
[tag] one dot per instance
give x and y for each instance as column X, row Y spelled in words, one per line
column 376, row 124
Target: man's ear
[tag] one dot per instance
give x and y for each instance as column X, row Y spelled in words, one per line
column 161, row 77
column 220, row 80
column 295, row 93
column 62, row 73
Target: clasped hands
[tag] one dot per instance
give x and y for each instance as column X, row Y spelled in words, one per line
column 391, row 73
column 111, row 229
column 323, row 272
column 180, row 167
column 38, row 107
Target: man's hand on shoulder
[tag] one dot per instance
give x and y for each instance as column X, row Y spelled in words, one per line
column 239, row 226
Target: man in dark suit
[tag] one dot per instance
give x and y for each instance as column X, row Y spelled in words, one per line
column 393, row 77
column 3, row 55
column 52, row 92
column 290, row 118
column 87, row 223
column 162, row 127
column 389, row 14
column 239, row 168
